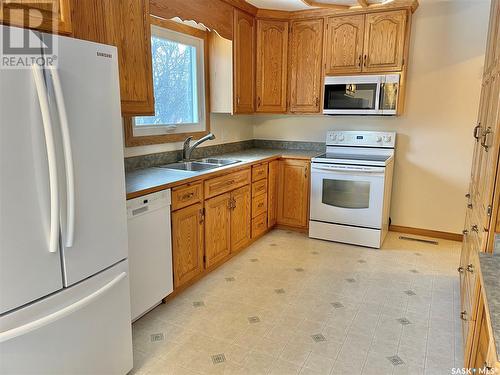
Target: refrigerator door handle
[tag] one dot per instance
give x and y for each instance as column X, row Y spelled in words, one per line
column 68, row 310
column 68, row 157
column 51, row 158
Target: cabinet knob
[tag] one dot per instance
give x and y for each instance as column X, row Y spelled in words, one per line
column 475, row 228
column 460, row 269
column 463, row 315
column 360, row 60
column 366, row 60
column 467, row 195
column 470, row 268
column 469, row 205
column 465, row 232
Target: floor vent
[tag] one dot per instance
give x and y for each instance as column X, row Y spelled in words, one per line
column 230, row 279
column 157, row 337
column 218, row 358
column 253, row 319
column 318, row 337
column 431, row 242
column 198, row 304
column 337, row 305
column 396, row 360
column 279, row 291
column 403, row 321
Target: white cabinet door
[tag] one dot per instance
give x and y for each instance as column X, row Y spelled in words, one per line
column 88, row 73
column 28, row 270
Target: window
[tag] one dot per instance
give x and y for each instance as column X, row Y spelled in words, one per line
column 178, row 62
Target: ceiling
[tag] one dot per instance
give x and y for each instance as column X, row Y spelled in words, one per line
column 291, row 5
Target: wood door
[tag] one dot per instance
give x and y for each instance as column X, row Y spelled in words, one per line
column 344, row 44
column 489, row 152
column 271, row 76
column 480, row 343
column 244, row 62
column 187, row 243
column 53, row 16
column 272, row 193
column 384, row 42
column 240, row 218
column 126, row 25
column 293, row 193
column 217, row 229
column 306, row 54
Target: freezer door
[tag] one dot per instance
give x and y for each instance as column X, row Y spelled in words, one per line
column 87, row 75
column 84, row 329
column 28, row 270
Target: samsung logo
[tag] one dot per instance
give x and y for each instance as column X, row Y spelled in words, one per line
column 102, row 54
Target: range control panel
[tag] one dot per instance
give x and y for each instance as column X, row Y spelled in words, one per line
column 361, row 139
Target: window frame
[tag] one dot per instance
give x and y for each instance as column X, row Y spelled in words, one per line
column 132, row 139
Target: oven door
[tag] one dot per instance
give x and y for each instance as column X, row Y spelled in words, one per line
column 347, row 194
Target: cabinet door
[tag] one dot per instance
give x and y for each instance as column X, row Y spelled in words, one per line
column 124, row 24
column 45, row 15
column 187, row 243
column 272, row 51
column 240, row 218
column 384, row 43
column 344, row 44
column 272, row 194
column 244, row 62
column 293, row 193
column 217, row 229
column 306, row 52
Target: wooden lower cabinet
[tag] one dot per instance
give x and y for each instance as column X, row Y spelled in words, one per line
column 480, row 352
column 217, row 229
column 293, row 193
column 240, row 218
column 187, row 243
column 272, row 193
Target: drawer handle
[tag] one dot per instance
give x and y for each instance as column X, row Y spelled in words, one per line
column 188, row 196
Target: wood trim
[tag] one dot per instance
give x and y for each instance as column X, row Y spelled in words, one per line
column 427, row 233
column 243, row 5
column 313, row 3
column 363, row 3
column 130, row 139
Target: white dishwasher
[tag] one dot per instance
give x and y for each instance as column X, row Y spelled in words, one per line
column 150, row 251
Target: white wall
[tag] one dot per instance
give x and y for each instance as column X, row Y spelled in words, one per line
column 435, row 142
column 225, row 127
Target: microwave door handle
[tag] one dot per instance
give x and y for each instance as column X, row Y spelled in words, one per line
column 51, row 157
column 377, row 97
column 68, row 157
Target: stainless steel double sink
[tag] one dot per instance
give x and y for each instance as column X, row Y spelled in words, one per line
column 199, row 165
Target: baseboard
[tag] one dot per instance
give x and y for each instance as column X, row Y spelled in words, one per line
column 427, row 233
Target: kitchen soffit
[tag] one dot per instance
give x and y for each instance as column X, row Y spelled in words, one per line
column 293, row 5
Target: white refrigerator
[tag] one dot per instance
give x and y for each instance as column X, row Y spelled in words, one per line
column 64, row 287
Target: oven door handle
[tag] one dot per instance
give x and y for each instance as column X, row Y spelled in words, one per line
column 348, row 170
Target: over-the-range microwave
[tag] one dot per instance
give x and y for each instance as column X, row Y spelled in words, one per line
column 361, row 95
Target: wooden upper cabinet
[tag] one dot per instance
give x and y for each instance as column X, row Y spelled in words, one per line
column 217, row 228
column 293, row 193
column 306, row 54
column 44, row 15
column 124, row 24
column 272, row 51
column 344, row 41
column 187, row 243
column 384, row 44
column 244, row 62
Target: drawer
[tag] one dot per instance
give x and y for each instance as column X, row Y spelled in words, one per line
column 259, row 225
column 186, row 195
column 259, row 205
column 259, row 172
column 259, row 188
column 223, row 184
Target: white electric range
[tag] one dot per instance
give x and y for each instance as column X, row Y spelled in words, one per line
column 351, row 188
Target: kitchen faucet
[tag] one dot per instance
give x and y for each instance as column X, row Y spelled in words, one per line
column 187, row 150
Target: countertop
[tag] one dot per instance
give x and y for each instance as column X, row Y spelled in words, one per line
column 144, row 181
column 490, row 271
